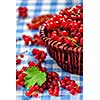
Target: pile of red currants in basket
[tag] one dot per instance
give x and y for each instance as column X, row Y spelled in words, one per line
column 67, row 26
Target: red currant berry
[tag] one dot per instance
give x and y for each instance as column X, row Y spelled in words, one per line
column 68, row 12
column 56, row 93
column 32, row 88
column 36, row 36
column 67, row 41
column 18, row 81
column 60, row 39
column 18, row 61
column 44, row 86
column 48, row 84
column 62, row 81
column 21, row 76
column 78, row 89
column 76, row 39
column 20, row 8
column 54, row 36
column 72, row 82
column 73, row 91
column 36, row 87
column 38, row 56
column 78, row 35
column 35, row 95
column 80, row 30
column 21, row 55
column 35, row 51
column 28, row 93
column 78, row 6
column 24, row 36
column 31, row 63
column 18, row 73
column 50, row 90
column 63, row 85
column 54, row 32
column 81, row 41
column 73, row 17
column 72, row 43
column 66, row 78
column 56, row 78
column 55, row 83
column 41, row 90
column 71, row 86
column 22, row 83
column 64, row 33
column 54, row 74
column 68, row 82
column 26, row 40
column 44, row 69
column 23, row 69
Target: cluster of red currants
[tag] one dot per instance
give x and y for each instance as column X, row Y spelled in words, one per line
column 39, row 55
column 67, row 26
column 22, row 12
column 52, row 83
column 27, row 39
column 35, row 89
column 70, row 85
column 20, row 77
column 35, row 40
column 38, row 21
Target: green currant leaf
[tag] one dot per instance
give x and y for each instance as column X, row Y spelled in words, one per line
column 33, row 76
column 40, row 78
column 31, row 70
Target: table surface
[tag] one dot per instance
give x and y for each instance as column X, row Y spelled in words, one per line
column 35, row 8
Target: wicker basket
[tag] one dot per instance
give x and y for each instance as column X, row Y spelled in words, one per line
column 68, row 58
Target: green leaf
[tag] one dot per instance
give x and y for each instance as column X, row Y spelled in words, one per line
column 31, row 70
column 34, row 76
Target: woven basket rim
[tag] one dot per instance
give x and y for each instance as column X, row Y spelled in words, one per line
column 49, row 40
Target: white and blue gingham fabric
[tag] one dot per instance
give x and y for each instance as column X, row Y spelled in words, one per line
column 36, row 8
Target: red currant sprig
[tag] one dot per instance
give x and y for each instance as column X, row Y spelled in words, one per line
column 37, row 21
column 27, row 39
column 39, row 55
column 70, row 85
column 20, row 77
column 22, row 12
column 52, row 83
column 35, row 89
column 35, row 40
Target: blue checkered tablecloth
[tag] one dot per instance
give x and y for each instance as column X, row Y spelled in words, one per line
column 35, row 8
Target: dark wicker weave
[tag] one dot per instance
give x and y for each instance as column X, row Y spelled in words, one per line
column 68, row 58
